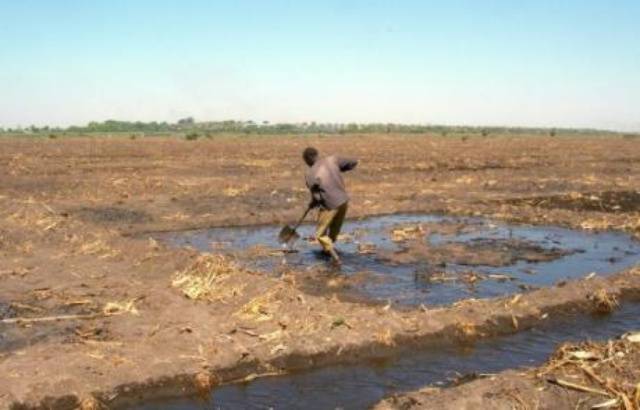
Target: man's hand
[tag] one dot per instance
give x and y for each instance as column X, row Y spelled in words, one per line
column 347, row 164
column 313, row 204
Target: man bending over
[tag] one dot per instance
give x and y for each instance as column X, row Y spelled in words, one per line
column 324, row 180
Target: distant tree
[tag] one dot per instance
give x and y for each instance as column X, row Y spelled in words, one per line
column 189, row 125
column 353, row 127
column 186, row 121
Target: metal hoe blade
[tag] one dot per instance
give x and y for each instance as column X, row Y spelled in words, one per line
column 287, row 234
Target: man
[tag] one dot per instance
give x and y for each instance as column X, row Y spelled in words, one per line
column 324, row 180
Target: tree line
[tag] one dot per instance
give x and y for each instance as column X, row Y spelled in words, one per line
column 189, row 126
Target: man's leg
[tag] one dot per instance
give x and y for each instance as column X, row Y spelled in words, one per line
column 337, row 221
column 325, row 217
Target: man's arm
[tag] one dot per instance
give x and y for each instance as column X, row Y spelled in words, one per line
column 314, row 190
column 347, row 164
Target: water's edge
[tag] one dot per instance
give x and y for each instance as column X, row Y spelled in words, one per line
column 362, row 385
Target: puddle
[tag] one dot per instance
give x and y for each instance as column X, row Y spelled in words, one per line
column 427, row 259
column 361, row 386
column 448, row 260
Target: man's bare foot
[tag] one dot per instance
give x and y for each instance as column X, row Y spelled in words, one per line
column 334, row 257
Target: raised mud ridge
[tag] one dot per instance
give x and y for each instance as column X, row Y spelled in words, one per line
column 360, row 386
column 433, row 328
column 587, row 374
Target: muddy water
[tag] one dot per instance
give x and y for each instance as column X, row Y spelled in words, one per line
column 360, row 386
column 428, row 259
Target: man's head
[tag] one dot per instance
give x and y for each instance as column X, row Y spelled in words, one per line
column 310, row 155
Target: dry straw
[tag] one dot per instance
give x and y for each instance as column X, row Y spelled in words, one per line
column 202, row 279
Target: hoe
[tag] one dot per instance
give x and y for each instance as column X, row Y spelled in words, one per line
column 289, row 234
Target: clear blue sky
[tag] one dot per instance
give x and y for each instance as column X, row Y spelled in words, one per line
column 537, row 63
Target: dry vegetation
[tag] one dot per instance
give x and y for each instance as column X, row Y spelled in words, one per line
column 204, row 278
column 608, row 370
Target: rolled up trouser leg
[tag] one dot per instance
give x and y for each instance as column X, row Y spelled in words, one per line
column 336, row 222
column 325, row 217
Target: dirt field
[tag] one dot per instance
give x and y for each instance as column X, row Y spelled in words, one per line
column 90, row 305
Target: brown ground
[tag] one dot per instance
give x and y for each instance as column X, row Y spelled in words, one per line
column 577, row 376
column 73, row 214
column 485, row 252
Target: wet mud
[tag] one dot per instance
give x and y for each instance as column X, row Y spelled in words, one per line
column 45, row 302
column 587, row 374
column 415, row 259
column 361, row 386
column 111, row 214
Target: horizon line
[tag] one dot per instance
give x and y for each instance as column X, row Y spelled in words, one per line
column 268, row 123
